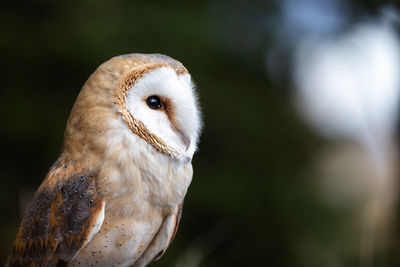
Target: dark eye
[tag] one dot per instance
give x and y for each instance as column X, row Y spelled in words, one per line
column 154, row 102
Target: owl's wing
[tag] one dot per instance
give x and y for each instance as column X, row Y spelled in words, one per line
column 176, row 218
column 63, row 216
column 162, row 240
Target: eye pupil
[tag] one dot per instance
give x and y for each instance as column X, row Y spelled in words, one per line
column 154, row 102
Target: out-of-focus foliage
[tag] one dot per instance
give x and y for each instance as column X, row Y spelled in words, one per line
column 253, row 200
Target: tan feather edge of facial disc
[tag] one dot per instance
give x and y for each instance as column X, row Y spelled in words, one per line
column 123, row 85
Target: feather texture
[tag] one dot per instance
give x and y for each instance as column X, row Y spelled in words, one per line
column 60, row 218
column 114, row 196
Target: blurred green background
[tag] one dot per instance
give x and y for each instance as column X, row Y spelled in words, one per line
column 253, row 200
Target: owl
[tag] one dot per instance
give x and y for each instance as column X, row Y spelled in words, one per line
column 114, row 196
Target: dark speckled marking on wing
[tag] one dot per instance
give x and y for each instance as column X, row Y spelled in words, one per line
column 58, row 220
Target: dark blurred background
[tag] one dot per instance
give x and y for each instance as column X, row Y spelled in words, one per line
column 277, row 181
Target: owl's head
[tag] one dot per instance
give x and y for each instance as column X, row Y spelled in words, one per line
column 153, row 95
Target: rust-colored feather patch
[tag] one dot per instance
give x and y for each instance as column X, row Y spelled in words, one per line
column 58, row 220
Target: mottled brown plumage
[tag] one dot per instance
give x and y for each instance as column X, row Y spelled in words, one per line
column 59, row 219
column 115, row 194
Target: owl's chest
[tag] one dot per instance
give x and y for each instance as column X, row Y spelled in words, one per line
column 138, row 197
column 121, row 240
column 131, row 219
column 136, row 169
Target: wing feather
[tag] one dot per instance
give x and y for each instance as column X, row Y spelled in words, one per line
column 162, row 239
column 64, row 214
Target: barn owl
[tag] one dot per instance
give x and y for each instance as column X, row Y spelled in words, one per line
column 114, row 196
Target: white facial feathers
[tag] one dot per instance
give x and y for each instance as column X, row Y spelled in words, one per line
column 178, row 122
